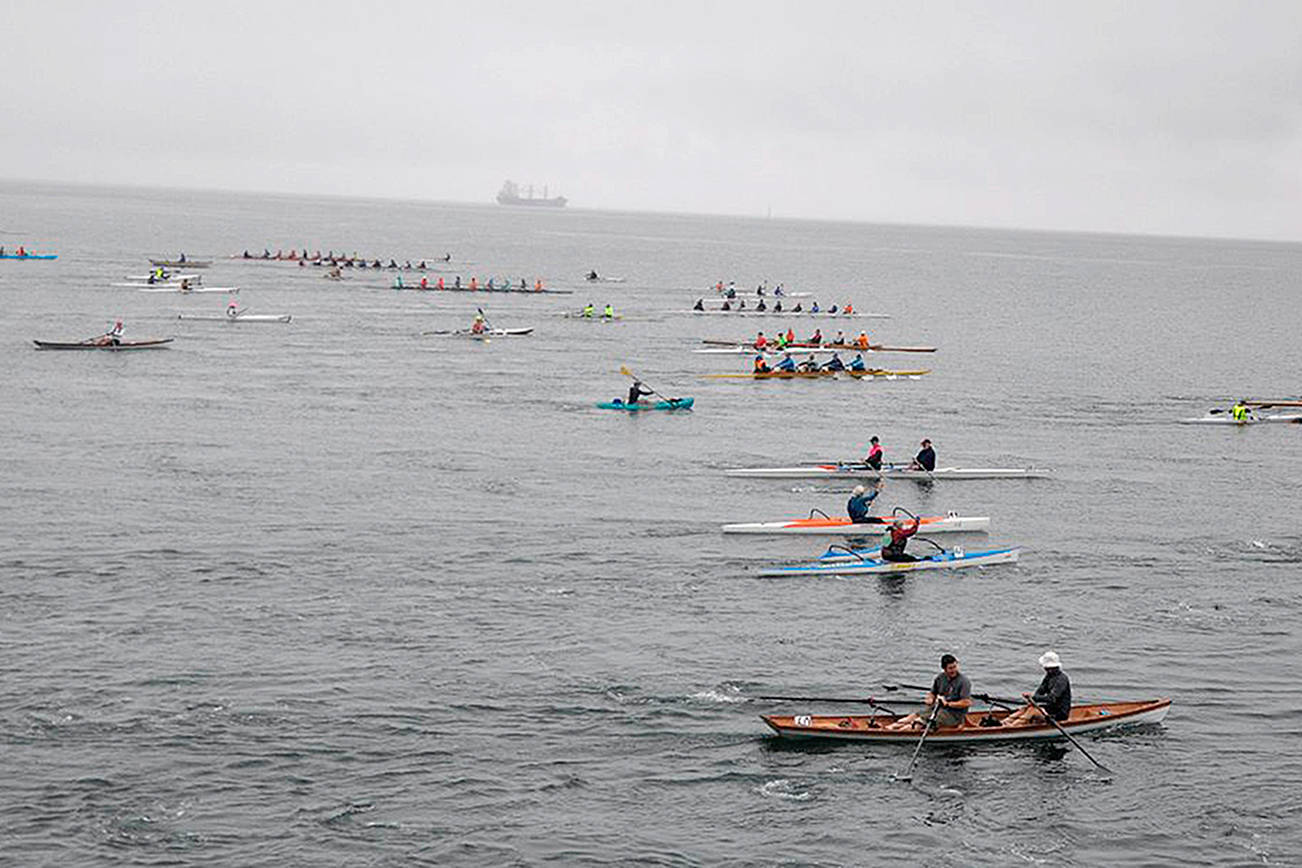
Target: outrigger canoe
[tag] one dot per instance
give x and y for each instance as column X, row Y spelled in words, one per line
column 869, row 374
column 741, row 347
column 29, row 256
column 1226, row 419
column 825, row 526
column 192, row 290
column 243, row 317
column 671, row 404
column 515, row 289
column 856, row 470
column 468, row 333
column 844, row 564
column 180, row 263
column 871, row 727
column 118, row 347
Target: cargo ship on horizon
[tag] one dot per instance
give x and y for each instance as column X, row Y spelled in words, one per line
column 510, row 195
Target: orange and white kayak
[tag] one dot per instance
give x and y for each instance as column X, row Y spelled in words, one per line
column 872, row 727
column 837, row 526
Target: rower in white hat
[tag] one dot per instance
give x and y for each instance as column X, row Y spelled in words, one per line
column 1053, row 696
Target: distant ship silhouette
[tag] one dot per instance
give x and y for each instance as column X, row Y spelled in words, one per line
column 510, row 195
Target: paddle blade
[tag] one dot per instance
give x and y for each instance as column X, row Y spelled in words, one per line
column 625, row 371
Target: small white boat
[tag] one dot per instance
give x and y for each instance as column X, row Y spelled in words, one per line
column 856, row 470
column 837, row 526
column 242, row 317
column 179, row 290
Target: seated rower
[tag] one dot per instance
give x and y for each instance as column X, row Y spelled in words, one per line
column 392, row 264
column 474, row 283
column 861, row 342
column 791, row 336
column 759, row 290
column 523, row 285
column 832, row 309
column 778, row 291
column 422, row 265
column 592, row 275
column 875, row 454
column 761, row 342
column 949, row 699
column 848, row 309
column 727, row 305
column 925, row 459
column 478, row 327
column 424, row 282
column 608, row 312
column 816, row 339
column 901, row 530
column 798, row 308
column 636, row 391
column 397, row 282
column 777, row 307
column 761, row 366
column 700, row 304
column 491, row 285
column 761, row 305
column 860, row 504
column 834, row 364
column 1241, row 412
column 809, row 365
column 1053, row 696
column 233, row 309
column 589, row 310
column 839, row 340
column 112, row 337
column 780, row 341
column 786, row 364
column 731, row 292
column 741, row 304
column 457, row 283
column 857, row 363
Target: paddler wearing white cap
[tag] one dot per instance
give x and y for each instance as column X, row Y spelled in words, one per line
column 1053, row 695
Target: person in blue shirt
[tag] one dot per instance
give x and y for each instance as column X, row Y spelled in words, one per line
column 834, row 363
column 786, row 364
column 857, row 363
column 860, row 503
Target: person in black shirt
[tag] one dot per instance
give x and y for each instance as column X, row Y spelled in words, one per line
column 1053, row 695
column 925, row 459
column 952, row 690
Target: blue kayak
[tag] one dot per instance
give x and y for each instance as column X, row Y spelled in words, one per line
column 671, row 404
column 29, row 256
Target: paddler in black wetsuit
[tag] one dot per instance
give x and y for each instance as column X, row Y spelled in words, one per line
column 901, row 530
column 700, row 304
column 925, row 459
column 636, row 391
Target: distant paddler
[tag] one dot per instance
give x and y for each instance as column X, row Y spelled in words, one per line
column 860, row 504
column 1052, row 696
column 232, row 309
column 925, row 459
column 761, row 366
column 1241, row 412
column 951, row 691
column 791, row 336
column 479, row 326
column 761, row 342
column 833, row 364
column 608, row 312
column 589, row 310
column 875, row 454
column 809, row 365
column 424, row 282
column 857, row 363
column 761, row 305
column 700, row 304
column 636, row 391
column 780, row 341
column 816, row 338
column 592, row 275
column 397, row 282
column 861, row 342
column 110, row 338
column 786, row 363
column 839, row 340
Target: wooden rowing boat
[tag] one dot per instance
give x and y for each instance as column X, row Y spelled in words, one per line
column 871, row 727
column 870, row 373
column 118, row 347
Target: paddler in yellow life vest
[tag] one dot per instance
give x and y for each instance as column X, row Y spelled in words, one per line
column 608, row 312
column 1241, row 412
column 588, row 310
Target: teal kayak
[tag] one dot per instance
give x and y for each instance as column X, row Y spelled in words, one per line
column 29, row 256
column 672, row 404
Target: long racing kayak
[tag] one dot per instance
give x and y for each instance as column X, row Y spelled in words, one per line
column 836, row 526
column 243, row 317
column 790, row 314
column 180, row 263
column 167, row 279
column 29, row 256
column 193, row 290
column 869, row 565
column 872, row 727
column 869, row 374
column 1226, row 419
column 797, row 347
column 119, row 347
column 856, row 470
column 671, row 404
column 496, row 333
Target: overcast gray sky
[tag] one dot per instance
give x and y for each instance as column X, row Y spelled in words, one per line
column 1165, row 117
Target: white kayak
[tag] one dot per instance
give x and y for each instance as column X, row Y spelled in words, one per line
column 856, row 470
column 468, row 333
column 790, row 314
column 193, row 290
column 838, row 526
column 1225, row 419
column 243, row 317
column 870, row 562
column 169, row 278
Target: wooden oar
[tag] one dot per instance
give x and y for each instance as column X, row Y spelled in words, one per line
column 908, row 773
column 623, row 369
column 1078, row 745
column 841, row 699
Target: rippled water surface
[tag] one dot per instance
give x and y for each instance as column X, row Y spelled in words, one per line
column 338, row 593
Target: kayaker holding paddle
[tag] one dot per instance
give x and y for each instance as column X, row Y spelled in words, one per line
column 875, row 454
column 1053, row 696
column 901, row 530
column 860, row 503
column 951, row 691
column 636, row 391
column 925, row 459
column 1241, row 412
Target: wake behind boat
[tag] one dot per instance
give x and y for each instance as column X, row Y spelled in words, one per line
column 859, row 470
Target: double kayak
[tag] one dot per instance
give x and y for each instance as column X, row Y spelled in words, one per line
column 869, row 374
column 29, row 256
column 118, row 347
column 872, row 727
column 1226, row 419
column 825, row 526
column 871, row 563
column 243, row 317
column 857, row 470
column 671, row 404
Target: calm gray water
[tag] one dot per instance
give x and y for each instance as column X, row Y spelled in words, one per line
column 333, row 593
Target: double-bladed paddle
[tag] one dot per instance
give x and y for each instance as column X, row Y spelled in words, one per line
column 623, row 369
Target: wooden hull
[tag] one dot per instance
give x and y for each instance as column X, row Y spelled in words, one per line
column 856, row 727
column 122, row 347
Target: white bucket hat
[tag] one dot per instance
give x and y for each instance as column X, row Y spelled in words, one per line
column 1049, row 660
